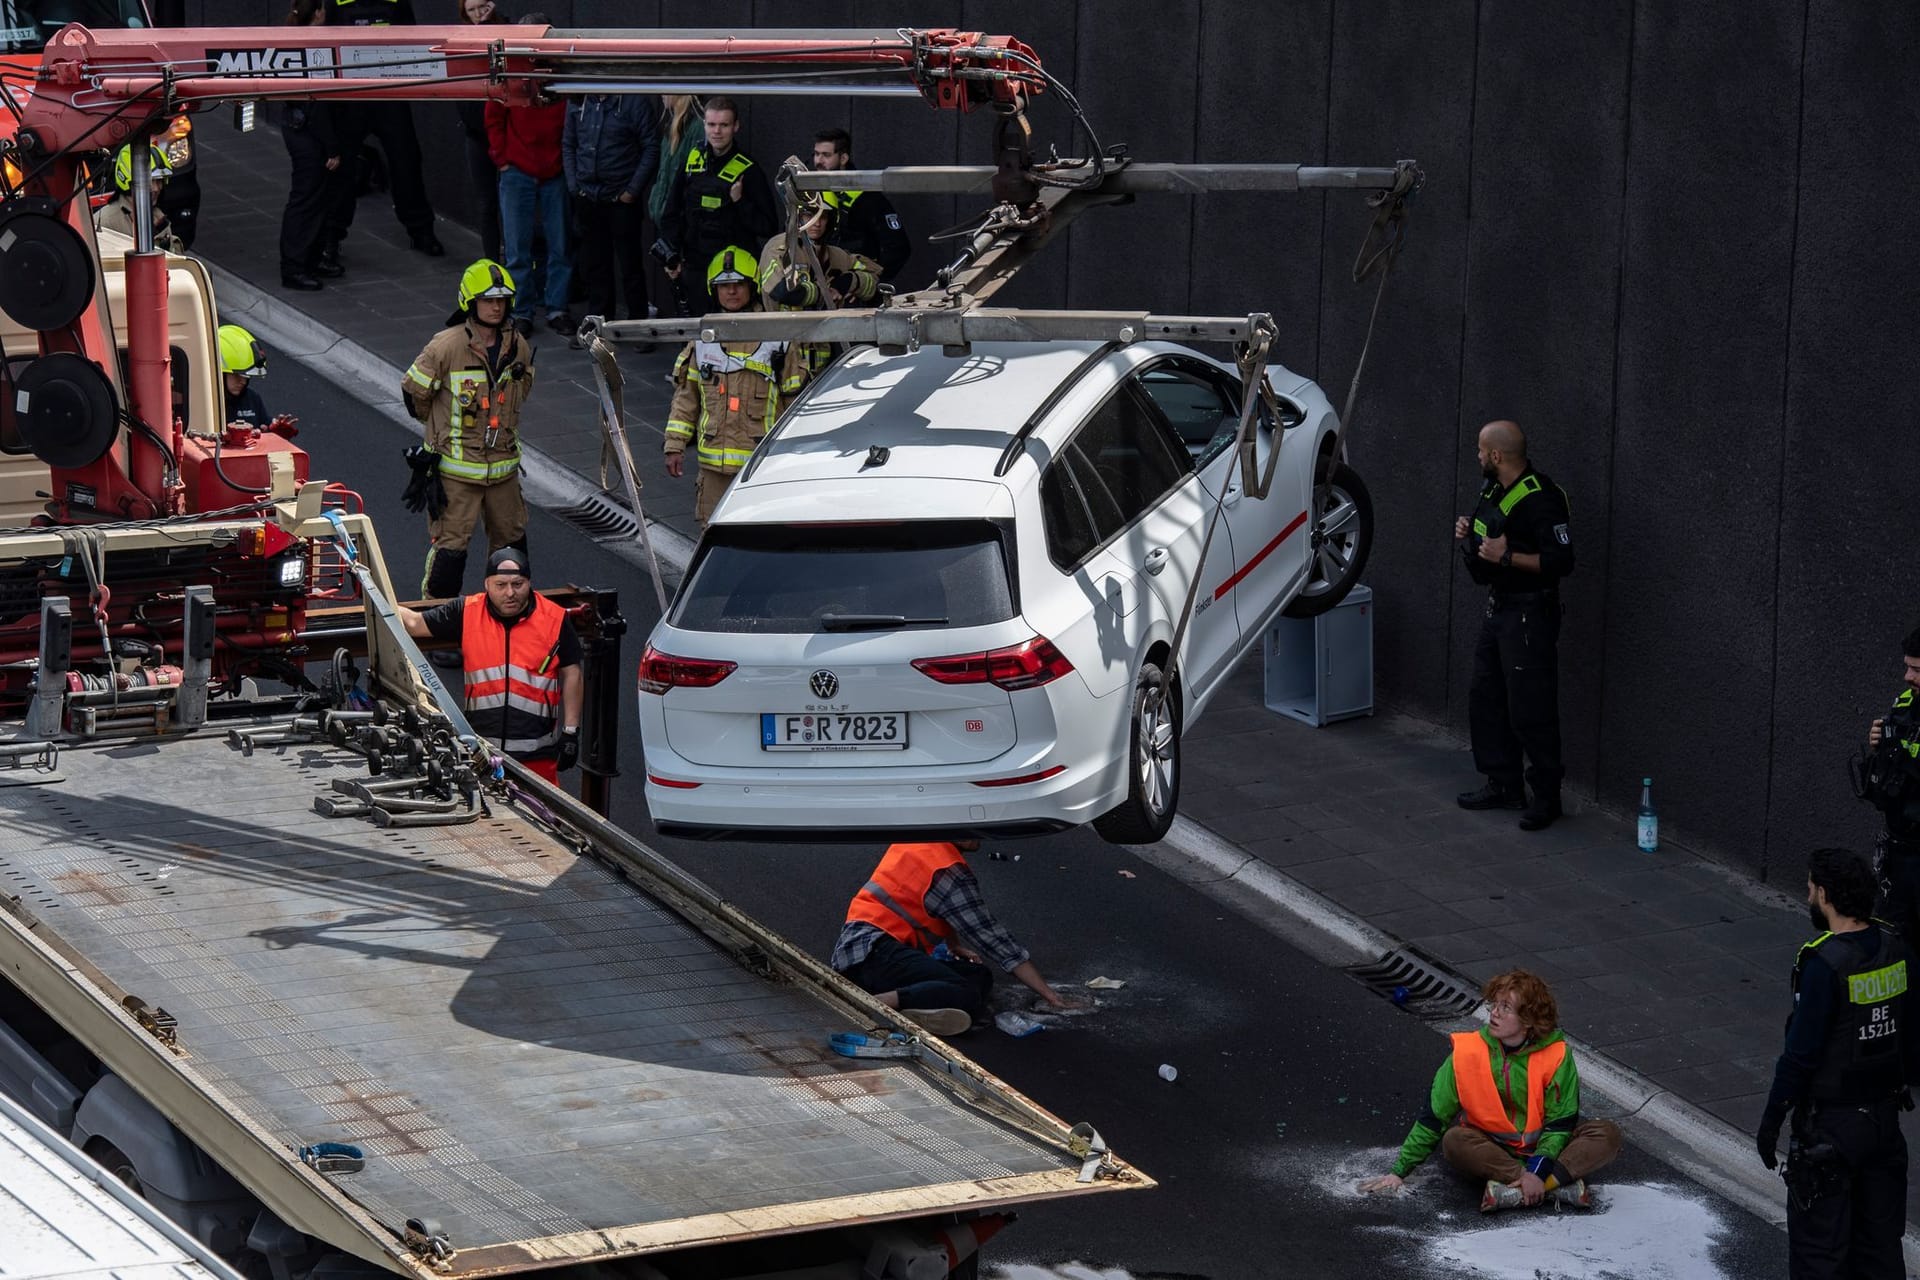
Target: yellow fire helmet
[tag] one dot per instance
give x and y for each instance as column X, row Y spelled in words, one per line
column 123, row 167
column 240, row 353
column 484, row 279
column 732, row 265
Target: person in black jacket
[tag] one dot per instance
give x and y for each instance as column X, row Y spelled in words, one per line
column 1519, row 544
column 610, row 150
column 392, row 124
column 865, row 222
column 1845, row 1072
column 473, row 137
column 313, row 148
column 719, row 197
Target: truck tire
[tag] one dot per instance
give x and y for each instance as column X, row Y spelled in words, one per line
column 1153, row 766
column 1342, row 536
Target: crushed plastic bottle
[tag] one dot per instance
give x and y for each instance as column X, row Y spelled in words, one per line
column 1649, row 823
column 1017, row 1025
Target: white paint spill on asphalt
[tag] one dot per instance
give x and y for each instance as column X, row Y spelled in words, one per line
column 1639, row 1231
column 1067, row 1271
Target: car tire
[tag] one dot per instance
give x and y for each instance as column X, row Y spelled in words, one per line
column 1342, row 536
column 1153, row 766
column 118, row 1163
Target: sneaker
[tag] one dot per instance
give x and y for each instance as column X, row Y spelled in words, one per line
column 1499, row 1195
column 1574, row 1197
column 1540, row 814
column 1492, row 796
column 941, row 1022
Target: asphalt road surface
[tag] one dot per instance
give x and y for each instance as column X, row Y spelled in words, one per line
column 1293, row 1079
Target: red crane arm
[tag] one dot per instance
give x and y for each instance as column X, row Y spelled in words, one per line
column 87, row 75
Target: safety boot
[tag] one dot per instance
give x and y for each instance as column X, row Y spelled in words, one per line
column 1541, row 813
column 941, row 1022
column 1494, row 795
column 1574, row 1197
column 1499, row 1195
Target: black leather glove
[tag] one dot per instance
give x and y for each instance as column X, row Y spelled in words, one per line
column 844, row 283
column 424, row 490
column 1768, row 1138
column 569, row 752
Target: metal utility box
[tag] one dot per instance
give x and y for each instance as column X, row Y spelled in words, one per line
column 1321, row 669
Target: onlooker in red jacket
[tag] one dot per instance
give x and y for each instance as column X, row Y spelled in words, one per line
column 524, row 143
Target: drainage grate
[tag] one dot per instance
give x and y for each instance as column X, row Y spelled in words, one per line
column 601, row 518
column 1432, row 992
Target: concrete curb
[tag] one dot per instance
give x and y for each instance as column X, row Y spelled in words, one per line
column 375, row 382
column 1699, row 1143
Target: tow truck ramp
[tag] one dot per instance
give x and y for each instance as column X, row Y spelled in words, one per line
column 549, row 1044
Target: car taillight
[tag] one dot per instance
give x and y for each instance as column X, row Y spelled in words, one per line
column 660, row 672
column 1023, row 666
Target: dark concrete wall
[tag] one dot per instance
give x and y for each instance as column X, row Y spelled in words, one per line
column 1668, row 239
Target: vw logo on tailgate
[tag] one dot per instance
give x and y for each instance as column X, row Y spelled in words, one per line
column 824, row 683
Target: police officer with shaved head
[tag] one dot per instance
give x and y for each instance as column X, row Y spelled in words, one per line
column 1845, row 1072
column 1518, row 543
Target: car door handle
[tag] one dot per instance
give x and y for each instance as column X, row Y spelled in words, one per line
column 1231, row 496
column 1156, row 559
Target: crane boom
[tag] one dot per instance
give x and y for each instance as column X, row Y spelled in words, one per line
column 99, row 90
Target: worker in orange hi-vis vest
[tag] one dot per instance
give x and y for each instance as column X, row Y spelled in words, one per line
column 918, row 932
column 1505, row 1107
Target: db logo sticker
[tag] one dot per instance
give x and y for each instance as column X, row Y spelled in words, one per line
column 976, row 726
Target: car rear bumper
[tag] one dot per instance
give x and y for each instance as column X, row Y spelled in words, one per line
column 747, row 804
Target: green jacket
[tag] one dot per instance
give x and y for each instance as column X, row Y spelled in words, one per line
column 1560, row 1105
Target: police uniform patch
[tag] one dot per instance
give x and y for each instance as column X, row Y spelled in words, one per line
column 893, row 221
column 1560, row 532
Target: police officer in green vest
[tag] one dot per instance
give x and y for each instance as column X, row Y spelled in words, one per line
column 1888, row 778
column 1850, row 1056
column 719, row 197
column 1518, row 543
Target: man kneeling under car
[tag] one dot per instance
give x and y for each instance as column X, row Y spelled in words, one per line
column 1505, row 1107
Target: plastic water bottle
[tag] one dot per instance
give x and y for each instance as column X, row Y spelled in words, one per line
column 1649, row 820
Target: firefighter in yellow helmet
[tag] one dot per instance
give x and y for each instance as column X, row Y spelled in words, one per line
column 726, row 395
column 468, row 386
column 846, row 279
column 117, row 213
column 241, row 361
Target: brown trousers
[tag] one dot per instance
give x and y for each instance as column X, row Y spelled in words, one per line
column 1472, row 1153
column 708, row 488
column 500, row 505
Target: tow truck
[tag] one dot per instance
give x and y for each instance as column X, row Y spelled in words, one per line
column 283, row 945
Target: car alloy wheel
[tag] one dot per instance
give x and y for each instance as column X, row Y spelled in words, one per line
column 1341, row 536
column 1153, row 772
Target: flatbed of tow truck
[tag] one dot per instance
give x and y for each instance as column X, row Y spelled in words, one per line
column 554, row 1047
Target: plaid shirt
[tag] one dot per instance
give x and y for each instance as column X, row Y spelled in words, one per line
column 954, row 896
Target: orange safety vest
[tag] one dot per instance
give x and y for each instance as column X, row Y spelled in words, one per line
column 894, row 899
column 514, row 671
column 1481, row 1103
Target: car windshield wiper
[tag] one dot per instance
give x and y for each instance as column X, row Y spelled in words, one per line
column 875, row 621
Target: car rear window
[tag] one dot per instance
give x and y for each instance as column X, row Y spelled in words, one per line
column 799, row 578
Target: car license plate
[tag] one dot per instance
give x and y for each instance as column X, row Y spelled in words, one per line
column 833, row 731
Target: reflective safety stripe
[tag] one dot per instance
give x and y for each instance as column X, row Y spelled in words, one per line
column 512, row 673
column 713, row 359
column 724, row 459
column 1905, row 699
column 710, row 202
column 1521, row 488
column 1479, row 527
column 418, row 377
column 841, row 199
column 1877, row 984
column 730, row 171
column 1481, row 1102
column 927, row 941
column 480, row 472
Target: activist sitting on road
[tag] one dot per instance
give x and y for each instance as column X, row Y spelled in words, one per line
column 916, row 935
column 1505, row 1107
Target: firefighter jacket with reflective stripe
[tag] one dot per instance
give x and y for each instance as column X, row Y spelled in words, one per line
column 894, row 899
column 701, row 216
column 726, row 397
column 471, row 411
column 513, row 674
column 117, row 215
column 1861, row 1062
column 799, row 291
column 1487, row 1104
